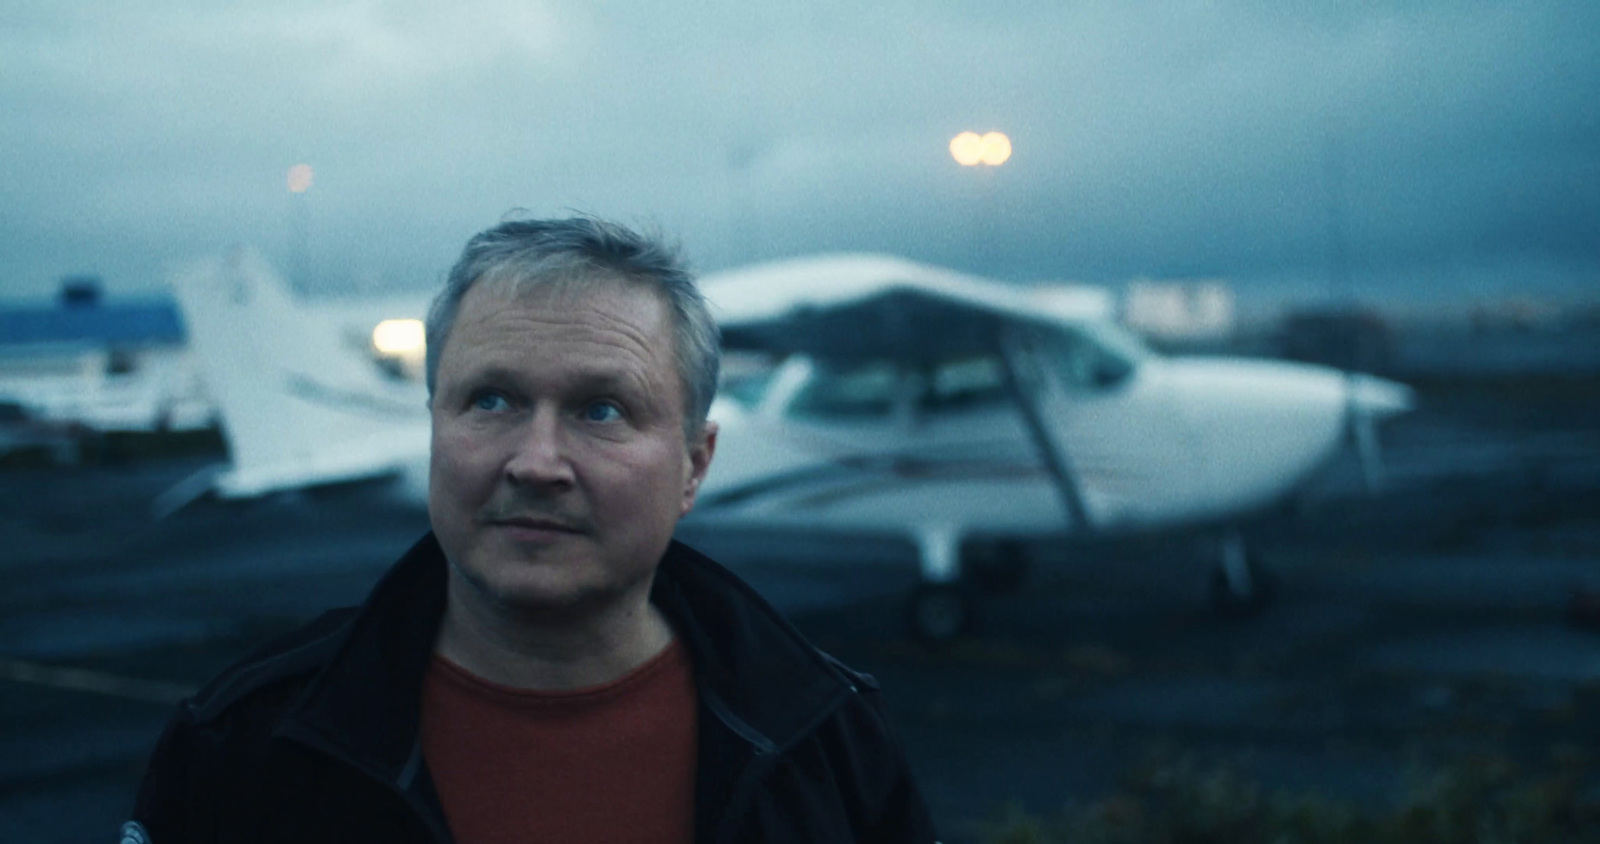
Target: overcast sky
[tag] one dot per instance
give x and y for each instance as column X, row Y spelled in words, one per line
column 1430, row 149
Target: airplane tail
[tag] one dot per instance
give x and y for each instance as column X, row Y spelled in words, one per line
column 298, row 407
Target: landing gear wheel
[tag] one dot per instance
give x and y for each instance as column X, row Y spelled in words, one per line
column 940, row 612
column 995, row 567
column 1240, row 586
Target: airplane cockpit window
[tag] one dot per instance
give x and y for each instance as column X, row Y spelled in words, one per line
column 746, row 378
column 858, row 391
column 965, row 383
column 1086, row 360
column 747, row 388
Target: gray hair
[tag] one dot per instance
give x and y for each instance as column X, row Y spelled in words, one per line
column 576, row 251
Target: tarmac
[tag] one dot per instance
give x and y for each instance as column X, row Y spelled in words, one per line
column 1432, row 620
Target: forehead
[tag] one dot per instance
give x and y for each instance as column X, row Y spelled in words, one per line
column 604, row 315
column 573, row 295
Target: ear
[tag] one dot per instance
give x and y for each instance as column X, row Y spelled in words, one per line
column 697, row 461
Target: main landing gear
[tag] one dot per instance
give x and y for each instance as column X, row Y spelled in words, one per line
column 954, row 575
column 939, row 612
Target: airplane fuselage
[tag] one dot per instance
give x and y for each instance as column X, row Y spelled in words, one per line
column 1173, row 442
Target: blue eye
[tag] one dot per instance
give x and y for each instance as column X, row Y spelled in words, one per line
column 602, row 411
column 489, row 402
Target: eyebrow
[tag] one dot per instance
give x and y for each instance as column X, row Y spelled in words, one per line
column 598, row 379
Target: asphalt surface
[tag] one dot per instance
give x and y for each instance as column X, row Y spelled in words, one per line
column 1421, row 624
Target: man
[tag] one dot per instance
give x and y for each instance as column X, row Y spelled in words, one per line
column 547, row 664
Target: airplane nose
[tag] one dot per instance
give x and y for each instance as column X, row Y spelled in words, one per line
column 1378, row 398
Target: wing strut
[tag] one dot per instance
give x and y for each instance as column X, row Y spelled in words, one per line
column 1026, row 384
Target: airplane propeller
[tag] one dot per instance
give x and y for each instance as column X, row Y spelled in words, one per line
column 1369, row 400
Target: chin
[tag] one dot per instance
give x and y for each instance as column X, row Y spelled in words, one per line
column 526, row 586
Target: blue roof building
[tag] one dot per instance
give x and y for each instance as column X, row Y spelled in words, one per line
column 82, row 318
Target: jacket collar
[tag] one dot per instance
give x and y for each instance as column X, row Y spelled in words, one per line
column 365, row 703
column 755, row 673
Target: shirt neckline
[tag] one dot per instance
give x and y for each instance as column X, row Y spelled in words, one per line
column 461, row 678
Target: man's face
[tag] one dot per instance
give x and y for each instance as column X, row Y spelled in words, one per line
column 559, row 467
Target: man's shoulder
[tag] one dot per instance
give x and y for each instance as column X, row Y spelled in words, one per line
column 697, row 573
column 290, row 659
column 860, row 680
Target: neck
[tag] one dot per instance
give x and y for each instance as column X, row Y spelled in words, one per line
column 534, row 650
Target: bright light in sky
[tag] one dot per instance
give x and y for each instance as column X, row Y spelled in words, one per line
column 299, row 178
column 995, row 149
column 969, row 149
column 399, row 337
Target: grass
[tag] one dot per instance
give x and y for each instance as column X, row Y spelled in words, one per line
column 1479, row 800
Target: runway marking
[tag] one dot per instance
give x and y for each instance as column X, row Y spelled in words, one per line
column 95, row 682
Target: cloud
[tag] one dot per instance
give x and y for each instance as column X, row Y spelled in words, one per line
column 1206, row 138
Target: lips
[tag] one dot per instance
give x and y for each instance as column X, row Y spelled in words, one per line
column 534, row 533
column 552, row 525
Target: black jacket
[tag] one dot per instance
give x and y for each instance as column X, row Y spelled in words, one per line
column 316, row 738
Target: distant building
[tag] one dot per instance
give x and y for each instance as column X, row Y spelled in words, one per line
column 102, row 365
column 81, row 317
column 1181, row 312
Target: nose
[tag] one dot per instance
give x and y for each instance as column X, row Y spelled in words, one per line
column 540, row 458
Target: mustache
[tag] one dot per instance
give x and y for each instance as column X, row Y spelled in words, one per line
column 537, row 510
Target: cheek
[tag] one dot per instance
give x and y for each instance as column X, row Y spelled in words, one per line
column 461, row 468
column 671, row 482
column 637, row 477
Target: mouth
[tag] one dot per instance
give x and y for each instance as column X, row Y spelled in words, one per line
column 536, row 529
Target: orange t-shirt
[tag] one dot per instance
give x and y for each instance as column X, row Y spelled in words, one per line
column 614, row 762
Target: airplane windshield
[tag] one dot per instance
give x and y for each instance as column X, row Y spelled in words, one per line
column 1118, row 340
column 746, row 379
column 1095, row 355
column 861, row 390
column 748, row 388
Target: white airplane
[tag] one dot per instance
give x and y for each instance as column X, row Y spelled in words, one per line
column 959, row 413
column 102, row 392
column 964, row 414
column 299, row 406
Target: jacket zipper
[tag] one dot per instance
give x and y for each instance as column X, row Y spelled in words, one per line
column 762, row 762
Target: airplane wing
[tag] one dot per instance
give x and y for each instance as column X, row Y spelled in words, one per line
column 858, row 307
column 869, row 306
